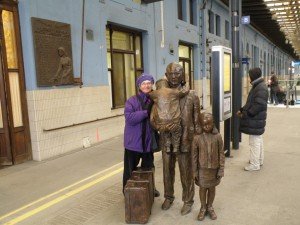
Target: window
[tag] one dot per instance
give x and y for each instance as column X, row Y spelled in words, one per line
column 193, row 13
column 186, row 61
column 218, row 25
column 226, row 30
column 124, row 62
column 179, row 6
column 210, row 22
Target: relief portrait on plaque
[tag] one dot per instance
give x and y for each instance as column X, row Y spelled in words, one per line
column 53, row 52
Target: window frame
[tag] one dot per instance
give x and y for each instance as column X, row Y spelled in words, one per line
column 190, row 60
column 134, row 33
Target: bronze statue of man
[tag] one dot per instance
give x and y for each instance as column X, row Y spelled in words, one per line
column 190, row 110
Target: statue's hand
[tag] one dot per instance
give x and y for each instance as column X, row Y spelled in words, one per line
column 198, row 129
column 170, row 127
column 220, row 173
column 162, row 129
column 196, row 180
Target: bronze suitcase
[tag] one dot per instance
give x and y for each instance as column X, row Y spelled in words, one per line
column 137, row 201
column 141, row 174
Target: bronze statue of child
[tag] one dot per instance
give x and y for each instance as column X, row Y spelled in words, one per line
column 166, row 114
column 208, row 164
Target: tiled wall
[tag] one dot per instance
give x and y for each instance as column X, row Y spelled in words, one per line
column 56, row 108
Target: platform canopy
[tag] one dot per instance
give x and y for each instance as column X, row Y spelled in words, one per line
column 287, row 14
column 278, row 20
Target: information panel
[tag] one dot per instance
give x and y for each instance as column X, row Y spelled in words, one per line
column 222, row 81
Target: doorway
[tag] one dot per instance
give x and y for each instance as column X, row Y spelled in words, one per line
column 15, row 144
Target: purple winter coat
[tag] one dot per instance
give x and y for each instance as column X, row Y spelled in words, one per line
column 134, row 115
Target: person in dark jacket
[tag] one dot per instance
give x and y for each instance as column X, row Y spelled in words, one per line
column 253, row 118
column 274, row 89
column 138, row 132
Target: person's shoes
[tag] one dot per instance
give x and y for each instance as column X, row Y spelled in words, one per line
column 212, row 213
column 251, row 167
column 260, row 163
column 186, row 209
column 201, row 214
column 167, row 204
column 156, row 193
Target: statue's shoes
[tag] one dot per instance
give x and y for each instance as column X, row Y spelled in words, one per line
column 212, row 213
column 201, row 214
column 156, row 193
column 186, row 208
column 167, row 204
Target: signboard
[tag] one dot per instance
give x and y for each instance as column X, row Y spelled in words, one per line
column 222, row 82
column 245, row 20
column 245, row 60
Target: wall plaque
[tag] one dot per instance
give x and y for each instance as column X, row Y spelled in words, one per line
column 53, row 52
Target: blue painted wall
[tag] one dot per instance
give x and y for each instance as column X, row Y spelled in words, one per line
column 146, row 18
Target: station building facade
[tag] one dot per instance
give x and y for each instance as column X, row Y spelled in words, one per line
column 120, row 39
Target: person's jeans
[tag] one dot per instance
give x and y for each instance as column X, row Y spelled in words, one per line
column 256, row 150
column 275, row 98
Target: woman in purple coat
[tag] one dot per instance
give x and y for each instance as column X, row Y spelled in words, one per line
column 138, row 132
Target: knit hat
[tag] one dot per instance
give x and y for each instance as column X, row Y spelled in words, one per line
column 254, row 74
column 143, row 78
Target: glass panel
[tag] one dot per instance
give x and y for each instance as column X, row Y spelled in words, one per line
column 107, row 39
column 218, row 25
column 192, row 59
column 227, row 70
column 138, row 73
column 108, row 58
column 184, row 51
column 129, row 75
column 15, row 98
column 1, row 120
column 10, row 39
column 138, row 52
column 187, row 73
column 118, row 80
column 211, row 22
column 179, row 7
column 122, row 40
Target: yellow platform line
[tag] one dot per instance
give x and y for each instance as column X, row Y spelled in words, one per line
column 62, row 197
column 57, row 192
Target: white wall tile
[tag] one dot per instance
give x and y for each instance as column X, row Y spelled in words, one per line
column 63, row 107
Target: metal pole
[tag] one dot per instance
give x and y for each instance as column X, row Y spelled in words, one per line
column 237, row 81
column 227, row 126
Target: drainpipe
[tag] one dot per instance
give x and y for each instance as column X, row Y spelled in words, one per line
column 81, row 53
column 155, row 47
column 162, row 44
